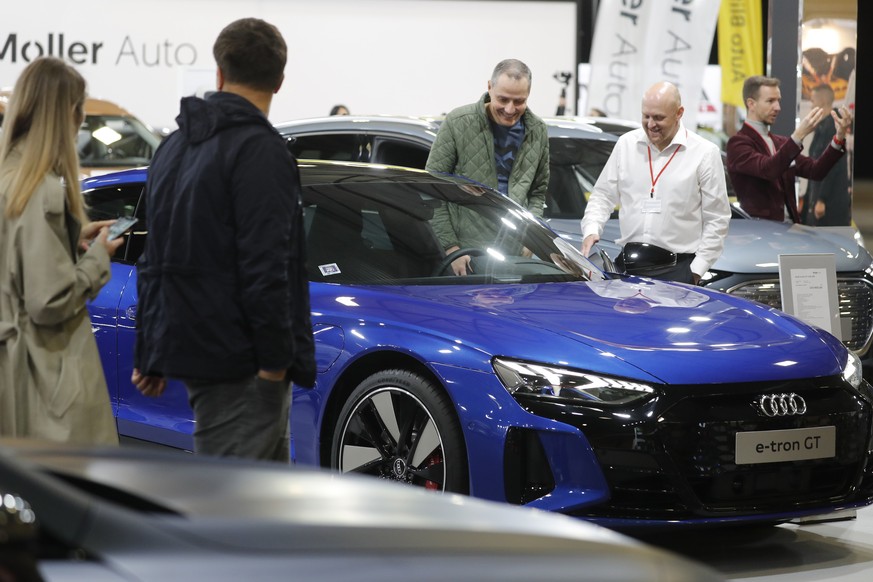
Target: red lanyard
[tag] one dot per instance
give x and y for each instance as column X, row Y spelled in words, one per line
column 652, row 171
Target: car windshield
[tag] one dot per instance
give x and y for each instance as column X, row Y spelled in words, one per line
column 114, row 140
column 395, row 233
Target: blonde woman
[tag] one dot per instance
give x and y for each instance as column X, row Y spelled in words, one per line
column 52, row 260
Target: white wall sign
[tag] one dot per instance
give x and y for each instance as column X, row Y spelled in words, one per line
column 380, row 56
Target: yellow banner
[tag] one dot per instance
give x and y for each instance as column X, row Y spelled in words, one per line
column 740, row 47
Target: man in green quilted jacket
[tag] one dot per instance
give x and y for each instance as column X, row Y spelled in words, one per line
column 498, row 142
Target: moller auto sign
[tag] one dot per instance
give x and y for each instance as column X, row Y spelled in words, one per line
column 15, row 49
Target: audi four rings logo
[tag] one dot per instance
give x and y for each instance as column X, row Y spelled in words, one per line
column 771, row 405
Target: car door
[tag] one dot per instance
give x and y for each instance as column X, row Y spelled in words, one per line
column 167, row 420
column 108, row 204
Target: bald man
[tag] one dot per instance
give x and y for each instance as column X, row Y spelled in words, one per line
column 670, row 186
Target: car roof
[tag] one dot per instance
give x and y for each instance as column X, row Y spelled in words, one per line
column 93, row 105
column 424, row 126
column 612, row 125
column 410, row 125
column 312, row 172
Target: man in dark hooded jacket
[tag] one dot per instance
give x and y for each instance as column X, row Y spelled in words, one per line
column 223, row 295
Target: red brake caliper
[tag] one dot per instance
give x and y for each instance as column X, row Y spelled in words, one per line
column 434, row 459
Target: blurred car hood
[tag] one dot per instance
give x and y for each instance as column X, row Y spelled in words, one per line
column 165, row 516
column 661, row 327
column 753, row 245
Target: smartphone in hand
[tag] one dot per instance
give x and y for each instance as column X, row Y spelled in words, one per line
column 120, row 226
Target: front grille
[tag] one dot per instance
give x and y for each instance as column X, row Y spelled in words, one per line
column 855, row 299
column 684, row 464
column 704, row 455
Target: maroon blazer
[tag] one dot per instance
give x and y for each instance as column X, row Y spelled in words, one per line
column 764, row 182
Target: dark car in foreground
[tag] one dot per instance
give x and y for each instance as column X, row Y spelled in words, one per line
column 579, row 148
column 536, row 380
column 122, row 515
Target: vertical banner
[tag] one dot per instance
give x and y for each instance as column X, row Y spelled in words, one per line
column 679, row 41
column 617, row 78
column 740, row 47
column 640, row 42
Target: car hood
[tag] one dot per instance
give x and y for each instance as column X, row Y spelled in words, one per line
column 753, row 245
column 648, row 330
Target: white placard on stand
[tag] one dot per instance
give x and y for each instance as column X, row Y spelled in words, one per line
column 809, row 290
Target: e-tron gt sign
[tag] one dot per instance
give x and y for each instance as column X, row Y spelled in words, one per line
column 774, row 446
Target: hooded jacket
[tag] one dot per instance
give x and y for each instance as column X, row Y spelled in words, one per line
column 222, row 282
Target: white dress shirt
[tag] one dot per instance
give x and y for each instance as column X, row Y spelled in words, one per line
column 687, row 210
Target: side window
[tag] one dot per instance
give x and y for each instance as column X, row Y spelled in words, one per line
column 400, row 153
column 113, row 202
column 109, row 203
column 360, row 238
column 338, row 147
column 575, row 165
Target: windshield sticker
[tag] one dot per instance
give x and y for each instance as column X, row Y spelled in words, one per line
column 329, row 269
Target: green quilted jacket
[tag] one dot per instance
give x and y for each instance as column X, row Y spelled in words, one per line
column 464, row 146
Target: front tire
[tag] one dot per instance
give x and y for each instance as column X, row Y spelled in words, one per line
column 399, row 426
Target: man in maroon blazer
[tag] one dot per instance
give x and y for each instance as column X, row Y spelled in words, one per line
column 763, row 166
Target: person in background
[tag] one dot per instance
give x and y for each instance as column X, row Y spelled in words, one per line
column 496, row 141
column 763, row 166
column 339, row 110
column 223, row 293
column 671, row 187
column 829, row 200
column 52, row 261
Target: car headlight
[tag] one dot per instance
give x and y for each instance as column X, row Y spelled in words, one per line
column 542, row 381
column 853, row 371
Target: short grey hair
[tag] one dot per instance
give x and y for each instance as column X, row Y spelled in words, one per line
column 513, row 68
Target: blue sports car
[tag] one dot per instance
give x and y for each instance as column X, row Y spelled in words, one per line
column 535, row 379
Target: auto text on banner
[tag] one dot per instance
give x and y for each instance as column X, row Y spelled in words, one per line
column 740, row 48
column 641, row 42
column 678, row 43
column 617, row 76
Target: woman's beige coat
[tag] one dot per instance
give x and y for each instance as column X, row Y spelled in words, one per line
column 51, row 379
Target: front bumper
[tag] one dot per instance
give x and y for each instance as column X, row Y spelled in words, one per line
column 673, row 459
